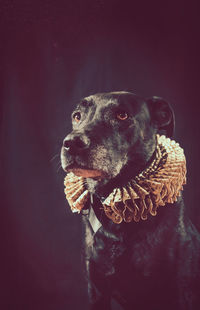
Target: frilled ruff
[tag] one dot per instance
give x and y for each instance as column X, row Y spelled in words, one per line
column 159, row 184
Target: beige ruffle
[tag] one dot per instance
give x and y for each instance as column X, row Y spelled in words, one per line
column 157, row 185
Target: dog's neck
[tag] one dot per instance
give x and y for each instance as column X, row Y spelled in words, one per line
column 159, row 184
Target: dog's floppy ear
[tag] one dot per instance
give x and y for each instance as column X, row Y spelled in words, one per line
column 162, row 115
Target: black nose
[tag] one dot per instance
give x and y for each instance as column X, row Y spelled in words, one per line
column 74, row 143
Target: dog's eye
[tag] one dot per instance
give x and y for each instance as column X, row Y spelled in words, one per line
column 122, row 115
column 77, row 117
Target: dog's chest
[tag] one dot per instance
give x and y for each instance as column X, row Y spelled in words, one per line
column 113, row 254
column 143, row 254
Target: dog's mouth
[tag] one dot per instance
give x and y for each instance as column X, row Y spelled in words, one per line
column 86, row 172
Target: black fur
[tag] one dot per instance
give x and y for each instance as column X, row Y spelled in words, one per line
column 152, row 264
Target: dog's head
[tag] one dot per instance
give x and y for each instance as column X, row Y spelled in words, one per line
column 114, row 137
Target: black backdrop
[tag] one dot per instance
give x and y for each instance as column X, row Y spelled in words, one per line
column 53, row 53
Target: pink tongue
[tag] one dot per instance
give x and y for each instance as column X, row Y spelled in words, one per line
column 87, row 173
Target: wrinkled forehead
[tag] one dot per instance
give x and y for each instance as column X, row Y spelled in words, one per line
column 122, row 100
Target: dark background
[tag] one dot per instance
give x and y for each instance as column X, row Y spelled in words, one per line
column 53, row 53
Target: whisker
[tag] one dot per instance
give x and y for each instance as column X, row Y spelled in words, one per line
column 58, row 163
column 54, row 157
column 59, row 168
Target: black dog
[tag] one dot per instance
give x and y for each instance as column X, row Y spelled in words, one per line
column 151, row 264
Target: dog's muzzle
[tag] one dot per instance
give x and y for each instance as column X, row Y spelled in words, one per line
column 75, row 146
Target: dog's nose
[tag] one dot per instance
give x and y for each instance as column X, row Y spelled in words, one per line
column 76, row 143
